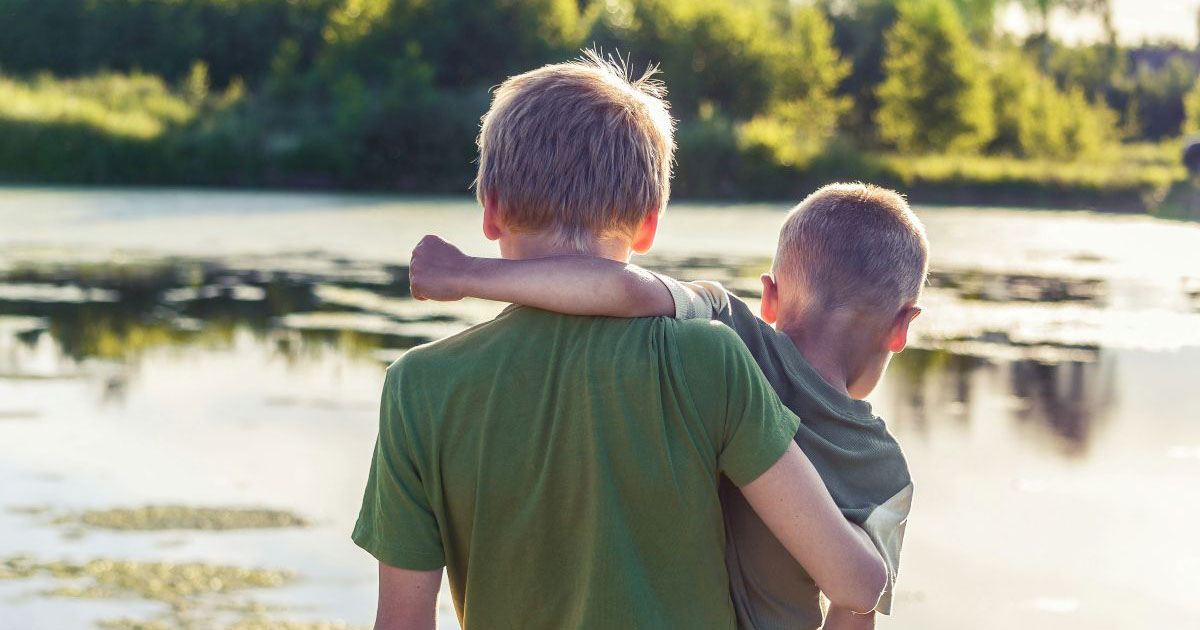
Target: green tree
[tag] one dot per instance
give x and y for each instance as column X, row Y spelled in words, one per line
column 803, row 107
column 163, row 37
column 858, row 31
column 712, row 53
column 1155, row 95
column 1191, row 104
column 1034, row 118
column 1041, row 10
column 936, row 96
column 469, row 43
column 979, row 16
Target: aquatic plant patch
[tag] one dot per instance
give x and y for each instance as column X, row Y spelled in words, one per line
column 198, row 595
column 168, row 517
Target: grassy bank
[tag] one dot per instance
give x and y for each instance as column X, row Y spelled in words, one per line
column 137, row 129
column 1128, row 178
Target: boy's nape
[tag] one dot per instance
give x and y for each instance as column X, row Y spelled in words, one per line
column 520, row 243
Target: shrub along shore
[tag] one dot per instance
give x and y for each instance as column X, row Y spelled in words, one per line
column 773, row 98
column 116, row 129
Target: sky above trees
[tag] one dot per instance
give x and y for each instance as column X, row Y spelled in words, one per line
column 1135, row 20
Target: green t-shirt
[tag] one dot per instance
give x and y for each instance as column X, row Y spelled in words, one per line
column 860, row 462
column 565, row 469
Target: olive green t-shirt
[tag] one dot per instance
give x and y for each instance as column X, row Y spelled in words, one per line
column 565, row 469
column 860, row 462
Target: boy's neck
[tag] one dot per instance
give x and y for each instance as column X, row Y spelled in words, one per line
column 538, row 245
column 830, row 344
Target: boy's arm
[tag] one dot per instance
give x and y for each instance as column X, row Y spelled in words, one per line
column 793, row 502
column 843, row 619
column 407, row 599
column 575, row 285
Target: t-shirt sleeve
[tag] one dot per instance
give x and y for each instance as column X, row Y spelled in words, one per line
column 752, row 426
column 396, row 524
column 885, row 526
column 695, row 300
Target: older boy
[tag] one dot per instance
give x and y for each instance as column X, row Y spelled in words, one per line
column 565, row 469
column 849, row 267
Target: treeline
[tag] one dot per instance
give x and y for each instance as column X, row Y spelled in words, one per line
column 771, row 95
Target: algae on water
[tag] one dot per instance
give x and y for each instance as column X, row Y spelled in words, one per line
column 160, row 581
column 197, row 595
column 166, row 517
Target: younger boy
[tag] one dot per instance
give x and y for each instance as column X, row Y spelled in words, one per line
column 848, row 270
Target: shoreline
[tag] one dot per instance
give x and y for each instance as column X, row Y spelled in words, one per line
column 1129, row 200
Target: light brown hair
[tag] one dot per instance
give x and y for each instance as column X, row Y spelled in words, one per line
column 854, row 245
column 578, row 148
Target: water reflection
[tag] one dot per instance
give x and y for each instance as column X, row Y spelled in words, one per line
column 227, row 353
column 1066, row 402
column 102, row 318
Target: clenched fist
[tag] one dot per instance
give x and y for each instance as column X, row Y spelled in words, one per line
column 437, row 270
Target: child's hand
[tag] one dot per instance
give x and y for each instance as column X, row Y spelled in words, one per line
column 437, row 270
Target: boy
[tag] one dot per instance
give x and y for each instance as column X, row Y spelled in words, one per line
column 848, row 270
column 564, row 469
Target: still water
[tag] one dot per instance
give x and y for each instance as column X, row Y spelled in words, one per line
column 204, row 353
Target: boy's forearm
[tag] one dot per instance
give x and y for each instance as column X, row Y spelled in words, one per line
column 792, row 500
column 575, row 285
column 842, row 619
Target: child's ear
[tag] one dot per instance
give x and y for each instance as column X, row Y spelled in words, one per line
column 898, row 335
column 493, row 227
column 644, row 239
column 770, row 299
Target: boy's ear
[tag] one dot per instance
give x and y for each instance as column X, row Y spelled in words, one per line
column 493, row 227
column 898, row 335
column 770, row 299
column 644, row 239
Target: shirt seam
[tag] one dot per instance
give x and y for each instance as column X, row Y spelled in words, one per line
column 370, row 541
column 673, row 348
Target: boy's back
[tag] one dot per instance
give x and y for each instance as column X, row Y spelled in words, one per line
column 574, row 462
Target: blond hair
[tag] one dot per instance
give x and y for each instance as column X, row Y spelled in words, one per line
column 854, row 245
column 577, row 148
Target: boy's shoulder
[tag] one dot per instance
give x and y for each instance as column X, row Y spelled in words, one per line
column 519, row 327
column 436, row 360
column 702, row 334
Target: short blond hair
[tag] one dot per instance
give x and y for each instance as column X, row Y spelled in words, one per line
column 854, row 245
column 578, row 148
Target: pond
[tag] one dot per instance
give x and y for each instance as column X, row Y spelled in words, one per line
column 189, row 381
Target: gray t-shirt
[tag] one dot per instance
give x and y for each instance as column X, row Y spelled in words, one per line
column 859, row 460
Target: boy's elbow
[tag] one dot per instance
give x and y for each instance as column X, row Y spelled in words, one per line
column 862, row 595
column 645, row 296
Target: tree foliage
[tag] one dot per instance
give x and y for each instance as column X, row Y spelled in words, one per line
column 1034, row 118
column 803, row 107
column 162, row 37
column 935, row 96
column 388, row 93
column 1191, row 103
